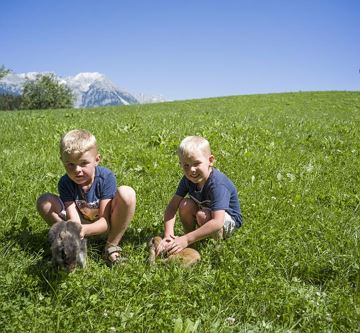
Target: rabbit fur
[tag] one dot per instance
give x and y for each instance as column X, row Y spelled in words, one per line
column 186, row 257
column 67, row 249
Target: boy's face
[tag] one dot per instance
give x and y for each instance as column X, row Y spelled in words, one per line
column 197, row 167
column 81, row 167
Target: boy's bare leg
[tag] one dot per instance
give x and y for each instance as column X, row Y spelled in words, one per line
column 94, row 228
column 203, row 216
column 49, row 207
column 187, row 213
column 123, row 209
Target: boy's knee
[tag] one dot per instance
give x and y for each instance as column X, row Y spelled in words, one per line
column 45, row 198
column 127, row 195
column 187, row 206
column 202, row 216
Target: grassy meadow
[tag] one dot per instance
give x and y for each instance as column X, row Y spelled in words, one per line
column 292, row 267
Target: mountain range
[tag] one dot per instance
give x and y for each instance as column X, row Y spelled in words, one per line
column 89, row 89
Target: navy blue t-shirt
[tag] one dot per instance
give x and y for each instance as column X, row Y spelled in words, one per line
column 103, row 187
column 218, row 193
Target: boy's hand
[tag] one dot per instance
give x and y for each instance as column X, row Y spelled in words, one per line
column 163, row 246
column 82, row 232
column 178, row 244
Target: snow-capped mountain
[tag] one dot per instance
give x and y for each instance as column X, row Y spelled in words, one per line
column 147, row 99
column 94, row 89
column 89, row 89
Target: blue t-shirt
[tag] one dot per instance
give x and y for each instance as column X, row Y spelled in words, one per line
column 103, row 187
column 218, row 193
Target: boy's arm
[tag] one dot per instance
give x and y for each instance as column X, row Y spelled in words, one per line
column 72, row 213
column 102, row 224
column 169, row 222
column 208, row 228
column 170, row 215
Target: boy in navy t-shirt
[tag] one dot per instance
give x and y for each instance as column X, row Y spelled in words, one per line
column 89, row 194
column 212, row 207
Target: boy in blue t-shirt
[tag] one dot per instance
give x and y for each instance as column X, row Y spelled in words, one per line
column 212, row 208
column 89, row 194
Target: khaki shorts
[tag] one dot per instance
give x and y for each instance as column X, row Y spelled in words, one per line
column 229, row 226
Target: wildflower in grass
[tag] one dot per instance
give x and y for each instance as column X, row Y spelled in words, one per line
column 291, row 176
column 253, row 179
column 230, row 321
column 309, row 167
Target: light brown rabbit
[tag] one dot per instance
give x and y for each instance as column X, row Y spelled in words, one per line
column 187, row 257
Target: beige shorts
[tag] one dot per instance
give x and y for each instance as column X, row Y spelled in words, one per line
column 229, row 225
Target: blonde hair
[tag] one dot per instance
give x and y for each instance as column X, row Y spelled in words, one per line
column 193, row 144
column 77, row 141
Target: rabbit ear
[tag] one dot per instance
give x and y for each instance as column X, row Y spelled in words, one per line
column 73, row 227
column 51, row 235
column 55, row 230
column 156, row 241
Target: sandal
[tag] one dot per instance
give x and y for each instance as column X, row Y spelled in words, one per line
column 107, row 256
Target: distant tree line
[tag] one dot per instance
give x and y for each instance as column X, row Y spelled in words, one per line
column 45, row 92
column 10, row 102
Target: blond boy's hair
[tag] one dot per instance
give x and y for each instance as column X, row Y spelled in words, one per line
column 192, row 144
column 77, row 141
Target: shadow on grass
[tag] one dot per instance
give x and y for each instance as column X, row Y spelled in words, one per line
column 36, row 244
column 325, row 275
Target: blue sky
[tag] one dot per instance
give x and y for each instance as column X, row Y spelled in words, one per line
column 188, row 49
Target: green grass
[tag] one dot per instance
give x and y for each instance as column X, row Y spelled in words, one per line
column 292, row 267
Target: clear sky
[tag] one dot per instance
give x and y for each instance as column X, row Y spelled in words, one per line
column 190, row 48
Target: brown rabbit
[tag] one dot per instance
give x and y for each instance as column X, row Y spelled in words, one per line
column 186, row 257
column 68, row 250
